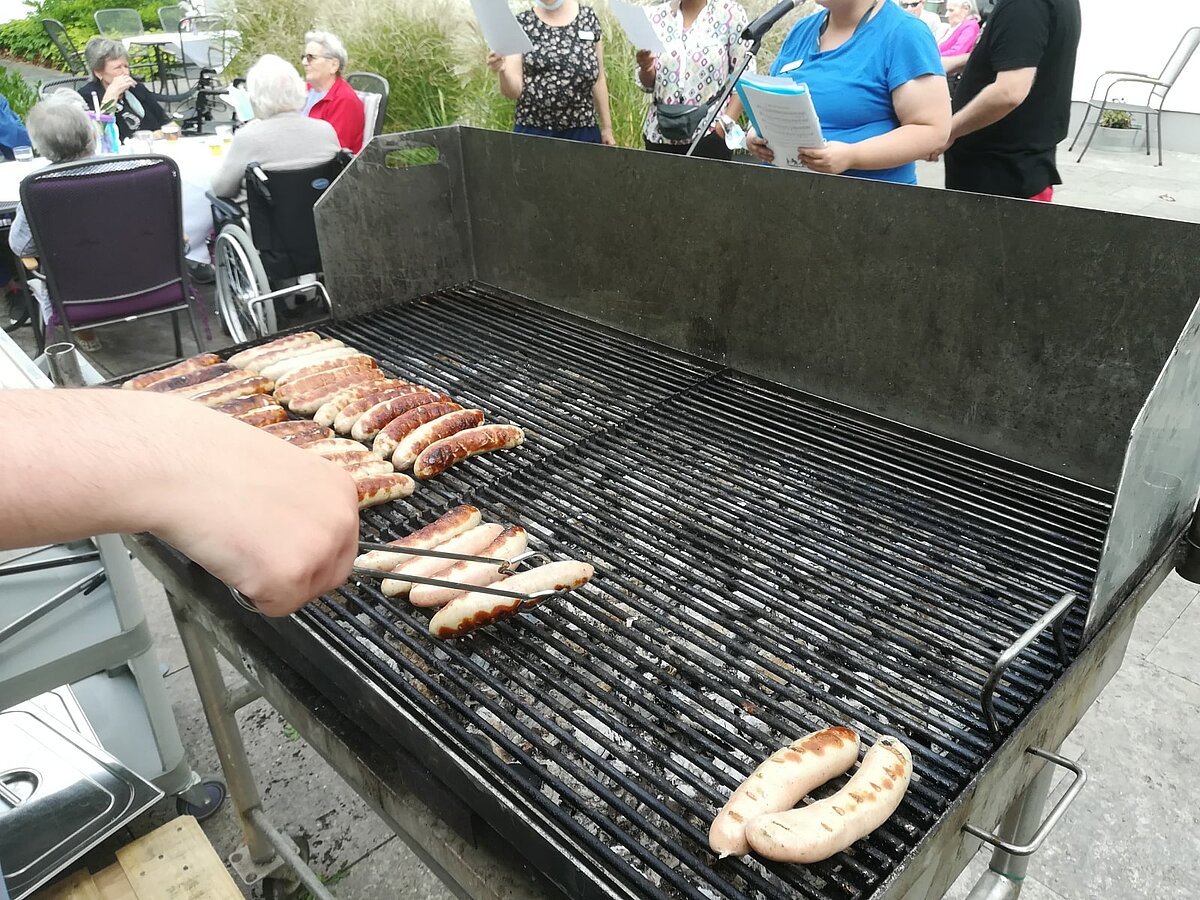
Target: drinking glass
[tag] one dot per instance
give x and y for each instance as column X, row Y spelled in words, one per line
column 22, row 154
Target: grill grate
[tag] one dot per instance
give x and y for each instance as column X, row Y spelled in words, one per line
column 767, row 563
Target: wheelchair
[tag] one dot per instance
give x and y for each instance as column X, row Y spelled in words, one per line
column 282, row 258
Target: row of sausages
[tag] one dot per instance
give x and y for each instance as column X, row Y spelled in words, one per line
column 463, row 531
column 759, row 815
column 408, row 425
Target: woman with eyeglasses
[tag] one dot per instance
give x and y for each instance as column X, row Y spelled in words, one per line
column 330, row 97
column 878, row 87
column 917, row 8
column 560, row 87
column 956, row 46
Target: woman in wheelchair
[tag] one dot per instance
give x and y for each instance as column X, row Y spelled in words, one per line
column 280, row 137
column 135, row 107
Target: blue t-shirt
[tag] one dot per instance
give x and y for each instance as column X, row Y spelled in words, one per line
column 852, row 86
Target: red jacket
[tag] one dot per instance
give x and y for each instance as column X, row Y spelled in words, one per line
column 342, row 109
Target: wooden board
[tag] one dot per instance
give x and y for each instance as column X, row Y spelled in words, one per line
column 76, row 886
column 176, row 862
column 113, row 884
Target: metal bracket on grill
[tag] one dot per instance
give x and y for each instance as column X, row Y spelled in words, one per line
column 1051, row 820
column 1056, row 616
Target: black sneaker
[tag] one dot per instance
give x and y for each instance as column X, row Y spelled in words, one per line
column 201, row 273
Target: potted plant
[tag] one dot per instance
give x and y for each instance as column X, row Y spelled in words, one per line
column 1117, row 131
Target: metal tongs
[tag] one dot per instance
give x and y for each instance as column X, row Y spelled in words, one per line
column 504, row 566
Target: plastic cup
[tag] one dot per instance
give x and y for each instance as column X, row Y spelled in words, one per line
column 23, row 154
column 216, row 146
column 171, row 131
column 225, row 133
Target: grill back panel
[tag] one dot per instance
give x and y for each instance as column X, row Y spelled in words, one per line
column 1028, row 329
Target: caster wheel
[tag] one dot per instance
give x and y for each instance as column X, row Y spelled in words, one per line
column 281, row 888
column 214, row 796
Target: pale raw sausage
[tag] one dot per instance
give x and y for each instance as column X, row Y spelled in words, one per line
column 469, row 542
column 787, row 776
column 449, row 525
column 244, row 357
column 299, row 351
column 327, row 446
column 513, row 541
column 310, row 401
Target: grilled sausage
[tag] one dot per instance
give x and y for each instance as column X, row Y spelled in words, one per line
column 374, row 419
column 245, row 357
column 293, row 351
column 141, row 382
column 787, row 776
column 328, row 412
column 300, row 380
column 225, row 378
column 312, row 354
column 470, row 542
column 310, row 401
column 817, row 831
column 268, row 415
column 240, row 405
column 388, row 440
column 512, row 541
column 296, row 431
column 413, row 443
column 254, row 384
column 352, row 411
column 441, row 455
column 452, row 524
column 193, row 378
column 467, row 612
column 376, row 489
column 326, row 446
column 345, row 458
column 372, row 466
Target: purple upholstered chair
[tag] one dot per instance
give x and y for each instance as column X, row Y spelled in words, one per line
column 109, row 236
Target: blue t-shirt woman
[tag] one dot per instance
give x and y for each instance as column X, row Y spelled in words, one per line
column 877, row 84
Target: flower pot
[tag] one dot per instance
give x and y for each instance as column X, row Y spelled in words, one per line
column 1125, row 140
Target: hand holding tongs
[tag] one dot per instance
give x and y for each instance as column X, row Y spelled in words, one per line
column 504, row 566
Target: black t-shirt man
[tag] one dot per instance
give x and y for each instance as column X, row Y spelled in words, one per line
column 1013, row 104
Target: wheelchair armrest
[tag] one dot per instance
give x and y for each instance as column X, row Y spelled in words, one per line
column 223, row 209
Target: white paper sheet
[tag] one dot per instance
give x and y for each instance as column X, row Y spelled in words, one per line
column 635, row 22
column 501, row 30
column 787, row 121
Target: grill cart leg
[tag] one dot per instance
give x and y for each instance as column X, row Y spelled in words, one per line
column 1006, row 871
column 267, row 851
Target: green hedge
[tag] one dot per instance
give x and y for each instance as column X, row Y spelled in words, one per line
column 26, row 39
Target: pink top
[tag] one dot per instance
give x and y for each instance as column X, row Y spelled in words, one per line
column 961, row 40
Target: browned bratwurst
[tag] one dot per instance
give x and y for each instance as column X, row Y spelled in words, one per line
column 438, row 457
column 141, row 382
column 239, row 405
column 192, row 378
column 298, row 431
column 374, row 419
column 254, row 384
column 268, row 415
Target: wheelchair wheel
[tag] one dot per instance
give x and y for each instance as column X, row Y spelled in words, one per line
column 241, row 278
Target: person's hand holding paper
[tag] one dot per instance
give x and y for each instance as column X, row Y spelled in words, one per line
column 504, row 35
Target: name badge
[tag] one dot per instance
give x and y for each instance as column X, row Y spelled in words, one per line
column 587, row 35
column 791, row 67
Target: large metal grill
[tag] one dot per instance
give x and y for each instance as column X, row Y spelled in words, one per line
column 768, row 563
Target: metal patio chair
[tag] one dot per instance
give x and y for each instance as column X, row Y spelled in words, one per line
column 65, row 46
column 46, row 88
column 283, row 257
column 369, row 83
column 119, row 23
column 98, row 277
column 170, row 17
column 1159, row 88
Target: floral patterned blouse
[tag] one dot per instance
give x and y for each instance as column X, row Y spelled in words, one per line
column 560, row 72
column 697, row 59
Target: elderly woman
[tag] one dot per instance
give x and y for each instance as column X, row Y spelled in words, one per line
column 329, row 96
column 878, row 87
column 956, row 47
column 702, row 40
column 560, row 87
column 280, row 135
column 134, row 106
column 61, row 132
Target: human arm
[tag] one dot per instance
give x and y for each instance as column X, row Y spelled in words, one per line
column 600, row 99
column 647, row 70
column 923, row 109
column 116, row 90
column 953, row 64
column 993, row 103
column 276, row 522
column 20, row 237
column 511, row 72
column 227, row 182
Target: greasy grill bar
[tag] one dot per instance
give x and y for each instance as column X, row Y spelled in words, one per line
column 779, row 546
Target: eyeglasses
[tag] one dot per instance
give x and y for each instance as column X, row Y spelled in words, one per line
column 912, row 5
column 308, row 58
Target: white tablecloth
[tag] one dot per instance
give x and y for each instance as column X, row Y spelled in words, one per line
column 196, row 47
column 197, row 165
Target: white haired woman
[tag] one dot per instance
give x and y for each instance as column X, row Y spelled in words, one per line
column 329, row 96
column 280, row 136
column 133, row 104
column 60, row 131
column 956, row 47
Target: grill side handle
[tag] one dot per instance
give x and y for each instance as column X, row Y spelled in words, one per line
column 1055, row 616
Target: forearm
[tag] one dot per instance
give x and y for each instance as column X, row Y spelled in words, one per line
column 89, row 461
column 512, row 80
column 989, row 106
column 733, row 108
column 897, row 147
column 955, row 62
column 647, row 77
column 600, row 99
